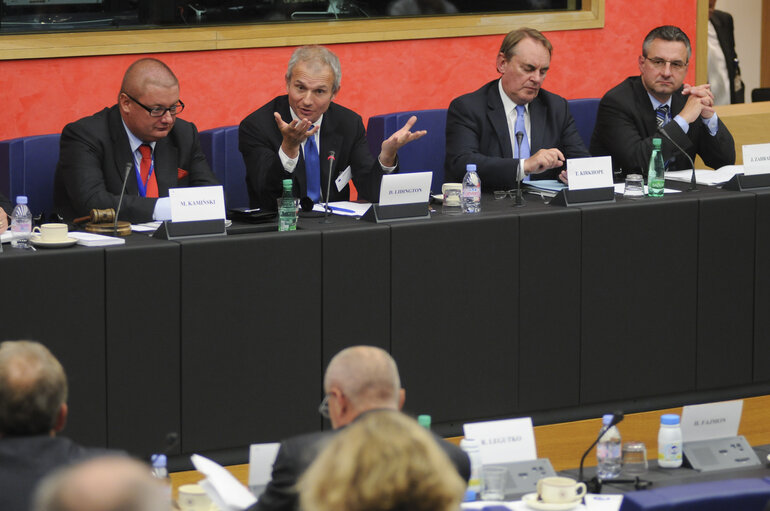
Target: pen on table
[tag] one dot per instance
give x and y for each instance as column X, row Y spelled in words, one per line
column 343, row 210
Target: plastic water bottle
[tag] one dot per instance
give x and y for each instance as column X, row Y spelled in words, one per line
column 472, row 448
column 287, row 208
column 160, row 471
column 21, row 223
column 609, row 451
column 669, row 441
column 471, row 194
column 656, row 178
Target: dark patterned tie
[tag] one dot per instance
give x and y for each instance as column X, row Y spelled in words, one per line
column 662, row 114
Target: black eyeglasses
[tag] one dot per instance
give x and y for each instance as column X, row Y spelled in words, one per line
column 658, row 63
column 158, row 111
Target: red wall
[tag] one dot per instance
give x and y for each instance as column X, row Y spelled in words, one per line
column 219, row 88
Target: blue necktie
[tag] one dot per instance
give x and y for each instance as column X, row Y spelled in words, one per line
column 520, row 126
column 312, row 169
column 661, row 113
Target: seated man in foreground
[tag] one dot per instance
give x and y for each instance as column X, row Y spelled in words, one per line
column 631, row 114
column 292, row 136
column 481, row 127
column 140, row 140
column 359, row 379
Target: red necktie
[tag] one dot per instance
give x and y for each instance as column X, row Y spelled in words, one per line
column 144, row 170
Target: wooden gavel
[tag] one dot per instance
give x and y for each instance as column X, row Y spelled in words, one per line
column 102, row 221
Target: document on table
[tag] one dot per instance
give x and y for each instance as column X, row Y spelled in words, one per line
column 90, row 239
column 146, row 227
column 621, row 187
column 221, row 486
column 344, row 208
column 706, row 177
column 548, row 187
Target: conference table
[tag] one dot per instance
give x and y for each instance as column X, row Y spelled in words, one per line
column 558, row 313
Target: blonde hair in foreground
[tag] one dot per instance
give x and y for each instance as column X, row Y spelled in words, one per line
column 384, row 461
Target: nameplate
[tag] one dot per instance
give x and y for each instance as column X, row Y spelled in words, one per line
column 411, row 188
column 712, row 420
column 504, row 441
column 756, row 158
column 585, row 173
column 261, row 459
column 197, row 203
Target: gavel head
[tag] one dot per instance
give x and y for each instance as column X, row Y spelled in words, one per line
column 99, row 216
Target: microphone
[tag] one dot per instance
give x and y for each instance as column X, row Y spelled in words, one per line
column 693, row 187
column 520, row 170
column 129, row 165
column 595, row 484
column 331, row 159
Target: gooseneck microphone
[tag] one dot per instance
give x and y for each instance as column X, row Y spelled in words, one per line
column 519, row 169
column 331, row 158
column 693, row 186
column 595, row 484
column 129, row 166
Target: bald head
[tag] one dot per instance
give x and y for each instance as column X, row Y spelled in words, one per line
column 33, row 389
column 145, row 73
column 367, row 378
column 102, row 484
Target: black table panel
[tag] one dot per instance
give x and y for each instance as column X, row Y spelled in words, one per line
column 142, row 300
column 549, row 309
column 251, row 338
column 725, row 290
column 638, row 299
column 56, row 297
column 762, row 290
column 454, row 315
column 356, row 288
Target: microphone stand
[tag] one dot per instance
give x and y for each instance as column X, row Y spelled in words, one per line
column 129, row 165
column 331, row 159
column 519, row 172
column 693, row 186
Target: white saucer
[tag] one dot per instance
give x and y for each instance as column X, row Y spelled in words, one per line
column 36, row 241
column 530, row 499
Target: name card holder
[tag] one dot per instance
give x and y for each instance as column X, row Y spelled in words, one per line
column 720, row 454
column 169, row 230
column 397, row 212
column 583, row 197
column 524, row 475
column 742, row 182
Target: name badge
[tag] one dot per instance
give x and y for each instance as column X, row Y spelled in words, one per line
column 711, row 420
column 197, row 203
column 584, row 173
column 504, row 441
column 343, row 179
column 408, row 188
column 756, row 159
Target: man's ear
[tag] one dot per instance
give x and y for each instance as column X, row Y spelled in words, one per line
column 61, row 418
column 401, row 398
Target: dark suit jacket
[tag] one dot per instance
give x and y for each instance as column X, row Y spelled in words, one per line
column 342, row 131
column 723, row 24
column 477, row 132
column 297, row 453
column 626, row 125
column 92, row 162
column 25, row 460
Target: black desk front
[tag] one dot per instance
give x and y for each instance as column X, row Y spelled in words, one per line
column 544, row 311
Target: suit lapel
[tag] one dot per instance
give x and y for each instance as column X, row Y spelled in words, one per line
column 537, row 114
column 644, row 105
column 496, row 115
column 166, row 159
column 331, row 140
column 298, row 176
column 122, row 154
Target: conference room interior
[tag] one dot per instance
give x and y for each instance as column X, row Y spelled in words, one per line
column 559, row 294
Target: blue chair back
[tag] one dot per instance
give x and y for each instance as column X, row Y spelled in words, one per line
column 425, row 154
column 220, row 145
column 27, row 167
column 584, row 112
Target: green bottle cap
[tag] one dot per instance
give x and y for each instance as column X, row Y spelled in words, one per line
column 287, row 184
column 424, row 421
column 656, row 143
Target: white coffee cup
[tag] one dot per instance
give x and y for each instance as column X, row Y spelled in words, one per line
column 451, row 193
column 192, row 497
column 52, row 233
column 560, row 490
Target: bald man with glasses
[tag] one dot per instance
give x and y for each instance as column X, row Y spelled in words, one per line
column 140, row 137
column 631, row 113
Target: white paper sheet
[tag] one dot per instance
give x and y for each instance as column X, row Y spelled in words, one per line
column 221, row 486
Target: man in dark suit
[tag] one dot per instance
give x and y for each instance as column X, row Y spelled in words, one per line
column 630, row 114
column 291, row 137
column 724, row 71
column 33, row 409
column 359, row 379
column 482, row 126
column 140, row 133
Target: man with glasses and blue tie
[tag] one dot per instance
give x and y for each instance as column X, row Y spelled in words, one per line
column 291, row 137
column 481, row 126
column 139, row 139
column 631, row 113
